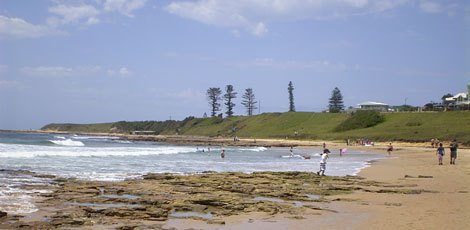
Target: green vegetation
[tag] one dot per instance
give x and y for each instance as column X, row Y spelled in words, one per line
column 305, row 125
column 361, row 119
column 336, row 101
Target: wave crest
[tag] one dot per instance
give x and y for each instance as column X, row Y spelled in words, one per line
column 67, row 142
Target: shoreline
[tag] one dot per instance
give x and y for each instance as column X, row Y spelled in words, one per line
column 406, row 191
column 245, row 142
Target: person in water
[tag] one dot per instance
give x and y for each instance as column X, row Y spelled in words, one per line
column 390, row 149
column 324, row 157
column 222, row 154
column 291, row 151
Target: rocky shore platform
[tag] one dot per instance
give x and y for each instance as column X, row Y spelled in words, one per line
column 149, row 203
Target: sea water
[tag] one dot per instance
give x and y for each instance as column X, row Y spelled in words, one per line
column 107, row 158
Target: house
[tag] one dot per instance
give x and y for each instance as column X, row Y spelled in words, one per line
column 459, row 101
column 370, row 105
column 460, row 97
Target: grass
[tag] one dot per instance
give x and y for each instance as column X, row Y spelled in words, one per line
column 414, row 127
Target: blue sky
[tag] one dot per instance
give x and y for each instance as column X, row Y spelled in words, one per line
column 110, row 60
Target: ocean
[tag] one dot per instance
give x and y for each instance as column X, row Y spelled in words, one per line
column 106, row 158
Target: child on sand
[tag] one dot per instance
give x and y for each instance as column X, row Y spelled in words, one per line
column 440, row 153
column 324, row 157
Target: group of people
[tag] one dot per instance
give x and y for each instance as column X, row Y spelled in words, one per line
column 324, row 155
column 453, row 152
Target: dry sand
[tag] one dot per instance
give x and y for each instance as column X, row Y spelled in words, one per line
column 443, row 204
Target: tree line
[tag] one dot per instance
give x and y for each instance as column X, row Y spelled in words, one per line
column 214, row 97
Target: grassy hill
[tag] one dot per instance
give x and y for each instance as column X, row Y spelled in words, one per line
column 302, row 125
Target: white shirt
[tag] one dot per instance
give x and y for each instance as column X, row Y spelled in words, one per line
column 324, row 156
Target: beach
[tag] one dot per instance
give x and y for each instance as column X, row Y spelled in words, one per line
column 407, row 190
column 432, row 197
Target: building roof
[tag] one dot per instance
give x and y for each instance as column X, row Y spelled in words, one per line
column 373, row 103
column 453, row 98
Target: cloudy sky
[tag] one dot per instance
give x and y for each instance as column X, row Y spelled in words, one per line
column 109, row 60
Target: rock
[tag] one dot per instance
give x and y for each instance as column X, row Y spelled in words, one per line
column 3, row 214
column 421, row 176
column 159, row 176
column 209, row 202
column 216, row 222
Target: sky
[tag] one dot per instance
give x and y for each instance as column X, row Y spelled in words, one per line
column 111, row 60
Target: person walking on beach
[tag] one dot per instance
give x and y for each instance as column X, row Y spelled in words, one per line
column 440, row 153
column 390, row 149
column 324, row 157
column 453, row 151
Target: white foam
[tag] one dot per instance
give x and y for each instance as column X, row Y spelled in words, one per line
column 76, row 137
column 256, row 149
column 67, row 142
column 16, row 150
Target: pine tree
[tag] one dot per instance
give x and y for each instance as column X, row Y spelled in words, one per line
column 213, row 95
column 229, row 95
column 336, row 101
column 290, row 89
column 249, row 101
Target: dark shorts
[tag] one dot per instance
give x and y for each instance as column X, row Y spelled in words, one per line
column 453, row 155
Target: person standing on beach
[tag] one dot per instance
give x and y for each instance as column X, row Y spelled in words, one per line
column 453, row 151
column 440, row 153
column 390, row 149
column 324, row 157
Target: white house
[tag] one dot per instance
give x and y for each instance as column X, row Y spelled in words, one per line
column 458, row 99
column 370, row 105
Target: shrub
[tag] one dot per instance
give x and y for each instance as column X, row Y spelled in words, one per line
column 361, row 119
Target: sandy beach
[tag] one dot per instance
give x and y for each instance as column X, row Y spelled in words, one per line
column 441, row 204
column 407, row 190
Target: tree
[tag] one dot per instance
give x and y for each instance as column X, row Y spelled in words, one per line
column 229, row 95
column 443, row 98
column 290, row 89
column 429, row 106
column 446, row 96
column 336, row 101
column 249, row 101
column 213, row 95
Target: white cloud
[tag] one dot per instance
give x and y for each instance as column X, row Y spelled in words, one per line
column 253, row 15
column 19, row 28
column 123, row 72
column 430, row 7
column 77, row 14
column 260, row 29
column 124, row 7
column 60, row 71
